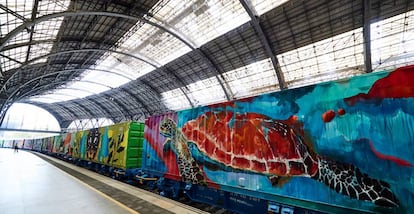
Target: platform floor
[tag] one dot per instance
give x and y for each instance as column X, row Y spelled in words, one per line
column 35, row 183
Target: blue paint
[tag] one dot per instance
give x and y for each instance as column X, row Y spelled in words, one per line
column 83, row 145
column 103, row 152
column 388, row 124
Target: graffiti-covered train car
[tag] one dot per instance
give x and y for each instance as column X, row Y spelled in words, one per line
column 345, row 144
column 119, row 145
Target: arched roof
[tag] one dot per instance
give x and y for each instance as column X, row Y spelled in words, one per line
column 126, row 60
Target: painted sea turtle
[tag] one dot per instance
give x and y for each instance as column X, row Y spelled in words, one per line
column 254, row 143
column 187, row 166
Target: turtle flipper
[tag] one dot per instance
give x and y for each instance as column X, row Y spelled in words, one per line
column 348, row 180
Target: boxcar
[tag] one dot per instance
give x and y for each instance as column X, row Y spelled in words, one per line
column 336, row 147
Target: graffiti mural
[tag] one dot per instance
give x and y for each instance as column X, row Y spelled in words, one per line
column 106, row 145
column 349, row 141
column 92, row 143
column 77, row 138
column 118, row 140
column 67, row 149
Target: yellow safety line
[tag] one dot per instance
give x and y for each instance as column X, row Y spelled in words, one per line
column 101, row 193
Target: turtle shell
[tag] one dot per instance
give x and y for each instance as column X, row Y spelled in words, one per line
column 251, row 142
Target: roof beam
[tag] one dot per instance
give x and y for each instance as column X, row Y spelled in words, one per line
column 265, row 42
column 9, row 58
column 176, row 79
column 227, row 91
column 35, row 42
column 366, row 31
column 34, row 13
column 8, row 10
column 137, row 100
column 124, row 110
column 121, row 105
column 101, row 107
column 13, row 33
column 141, row 58
column 68, row 110
column 223, row 83
column 108, row 32
column 36, row 89
column 14, row 93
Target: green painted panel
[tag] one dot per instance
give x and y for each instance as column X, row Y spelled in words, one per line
column 135, row 145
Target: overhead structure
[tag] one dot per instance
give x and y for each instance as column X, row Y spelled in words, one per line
column 126, row 59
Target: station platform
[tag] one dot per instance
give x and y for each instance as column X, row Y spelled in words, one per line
column 36, row 183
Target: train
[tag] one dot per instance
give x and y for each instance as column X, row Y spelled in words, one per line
column 336, row 147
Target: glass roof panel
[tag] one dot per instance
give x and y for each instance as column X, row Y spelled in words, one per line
column 47, row 30
column 129, row 66
column 155, row 43
column 85, row 87
column 262, row 6
column 52, row 6
column 206, row 91
column 13, row 58
column 253, row 79
column 203, row 20
column 175, row 99
column 392, row 42
column 9, row 21
column 330, row 59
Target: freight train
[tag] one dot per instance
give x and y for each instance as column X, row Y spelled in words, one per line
column 335, row 147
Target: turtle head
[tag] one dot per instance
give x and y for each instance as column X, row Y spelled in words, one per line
column 168, row 128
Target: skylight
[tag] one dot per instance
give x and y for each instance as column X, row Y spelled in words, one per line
column 204, row 20
column 334, row 58
column 93, row 82
column 392, row 42
column 175, row 99
column 43, row 31
column 253, row 79
column 263, row 6
column 206, row 91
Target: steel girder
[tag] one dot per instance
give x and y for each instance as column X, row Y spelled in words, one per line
column 265, row 42
column 14, row 32
column 366, row 31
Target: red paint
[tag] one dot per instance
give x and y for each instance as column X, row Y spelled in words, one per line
column 170, row 161
column 328, row 116
column 398, row 84
column 341, row 111
column 245, row 135
column 277, row 168
column 247, row 100
column 242, row 163
column 258, row 166
column 222, row 105
column 396, row 160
